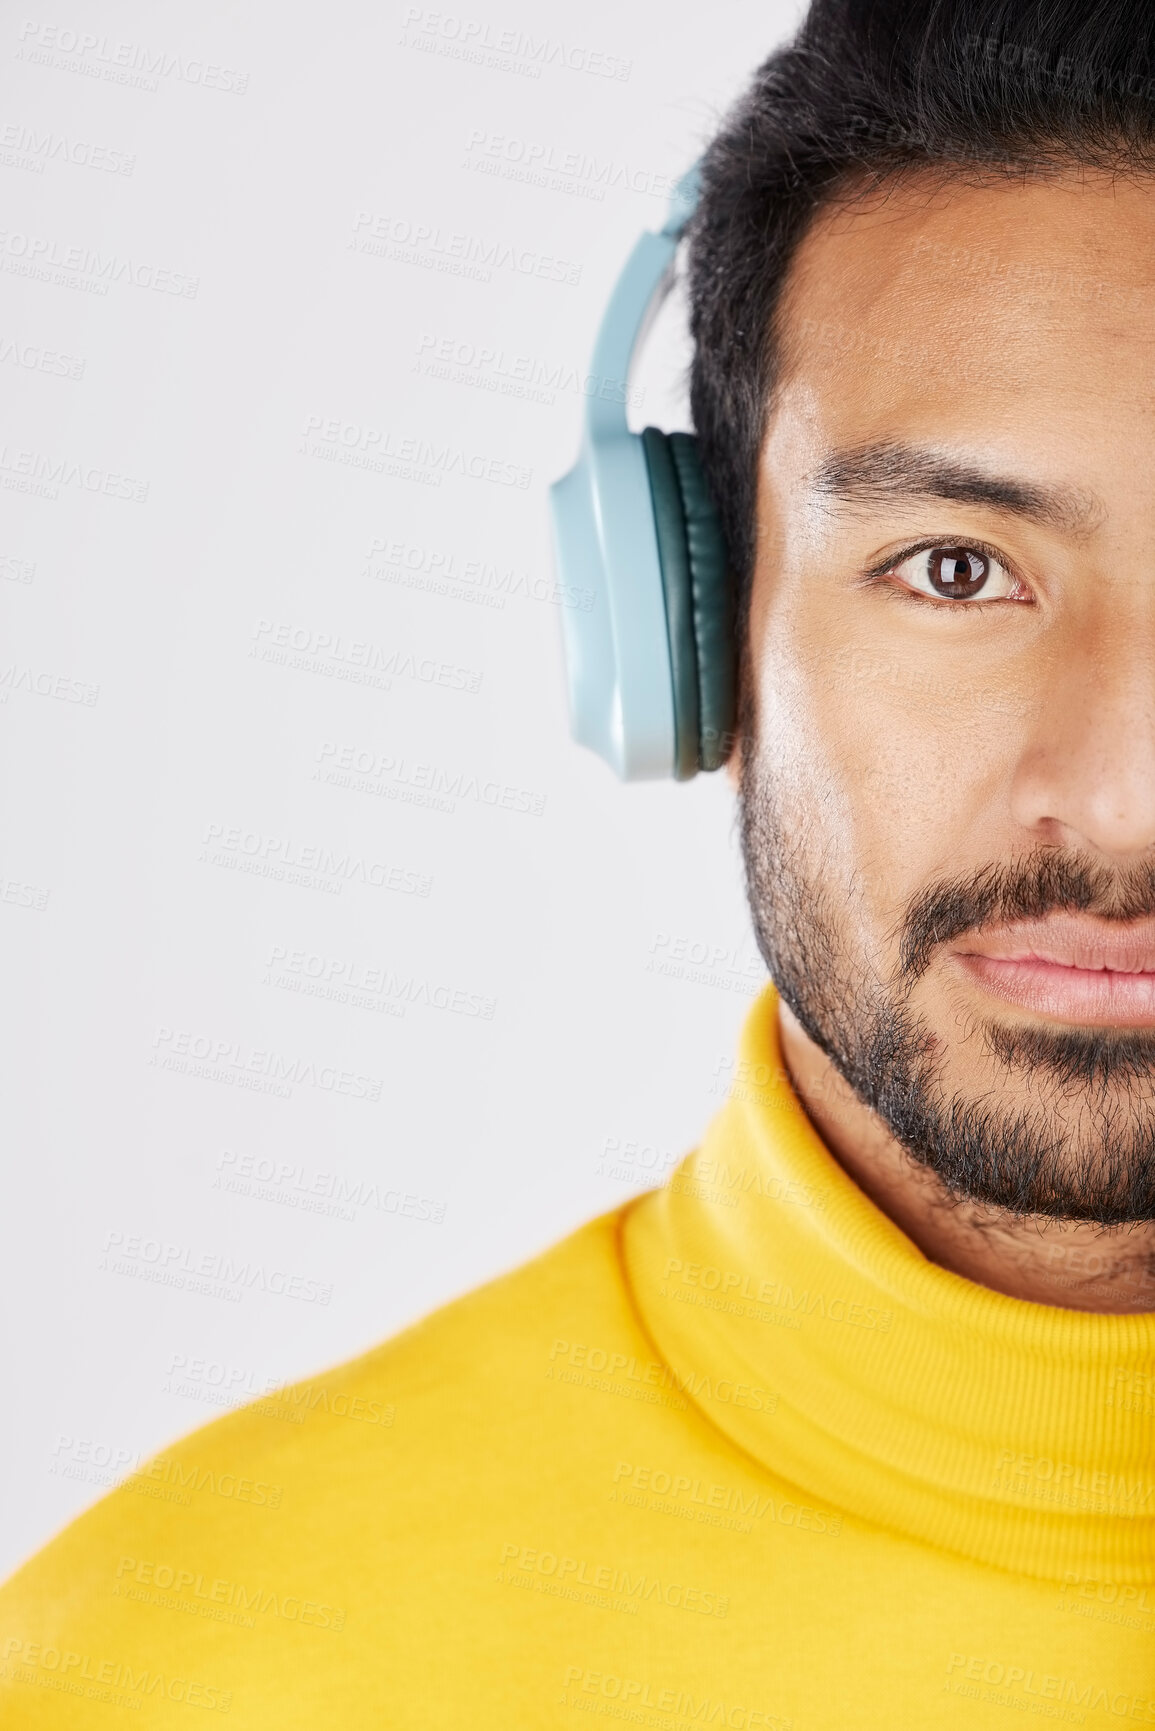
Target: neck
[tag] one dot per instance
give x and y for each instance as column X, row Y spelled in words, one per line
column 1074, row 1265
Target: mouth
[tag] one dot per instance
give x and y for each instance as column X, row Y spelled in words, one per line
column 1069, row 967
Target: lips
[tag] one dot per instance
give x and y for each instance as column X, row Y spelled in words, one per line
column 1070, row 967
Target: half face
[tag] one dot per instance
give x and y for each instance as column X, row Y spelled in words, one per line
column 949, row 789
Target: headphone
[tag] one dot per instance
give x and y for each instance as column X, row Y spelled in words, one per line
column 651, row 664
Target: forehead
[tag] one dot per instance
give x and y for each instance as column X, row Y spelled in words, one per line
column 1025, row 306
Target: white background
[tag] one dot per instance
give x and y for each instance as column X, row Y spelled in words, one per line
column 182, row 302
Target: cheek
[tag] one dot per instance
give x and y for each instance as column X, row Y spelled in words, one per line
column 812, row 762
column 926, row 778
column 889, row 781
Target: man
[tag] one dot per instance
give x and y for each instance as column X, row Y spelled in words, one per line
column 851, row 1424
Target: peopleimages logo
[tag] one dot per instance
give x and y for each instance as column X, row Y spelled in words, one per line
column 294, row 1185
column 362, row 983
column 83, row 267
column 382, row 235
column 37, row 148
column 484, row 366
column 478, row 41
column 32, row 471
column 439, row 571
column 311, row 865
column 651, row 1484
column 39, row 682
column 1026, row 1690
column 31, row 358
column 116, row 1681
column 543, row 163
column 176, row 1260
column 1074, row 1484
column 231, row 1060
column 592, row 1691
column 617, row 1579
column 408, row 456
column 422, row 783
column 120, row 62
column 19, row 894
column 305, row 650
column 174, row 1577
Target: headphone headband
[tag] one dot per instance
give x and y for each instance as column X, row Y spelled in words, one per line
column 633, row 522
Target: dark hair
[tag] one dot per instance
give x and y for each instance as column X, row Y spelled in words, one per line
column 868, row 91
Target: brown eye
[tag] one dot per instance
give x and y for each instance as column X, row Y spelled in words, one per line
column 956, row 573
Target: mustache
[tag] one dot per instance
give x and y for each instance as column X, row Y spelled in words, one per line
column 1048, row 880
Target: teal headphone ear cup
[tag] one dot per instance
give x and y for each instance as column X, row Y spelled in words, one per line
column 699, row 597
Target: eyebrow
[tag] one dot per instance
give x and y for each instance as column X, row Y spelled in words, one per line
column 890, row 469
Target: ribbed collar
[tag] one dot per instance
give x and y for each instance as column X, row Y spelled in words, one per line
column 807, row 1327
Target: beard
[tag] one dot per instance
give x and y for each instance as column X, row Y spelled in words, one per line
column 1083, row 1147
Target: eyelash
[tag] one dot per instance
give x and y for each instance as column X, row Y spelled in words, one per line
column 941, row 604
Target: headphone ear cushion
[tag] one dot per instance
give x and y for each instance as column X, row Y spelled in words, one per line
column 699, row 595
column 714, row 599
column 678, row 593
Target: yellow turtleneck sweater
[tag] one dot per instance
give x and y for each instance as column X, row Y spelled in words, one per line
column 735, row 1455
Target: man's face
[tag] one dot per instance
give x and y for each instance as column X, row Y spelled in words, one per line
column 949, row 790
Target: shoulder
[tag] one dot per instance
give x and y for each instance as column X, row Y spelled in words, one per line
column 483, row 1354
column 308, row 1512
column 477, row 1359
